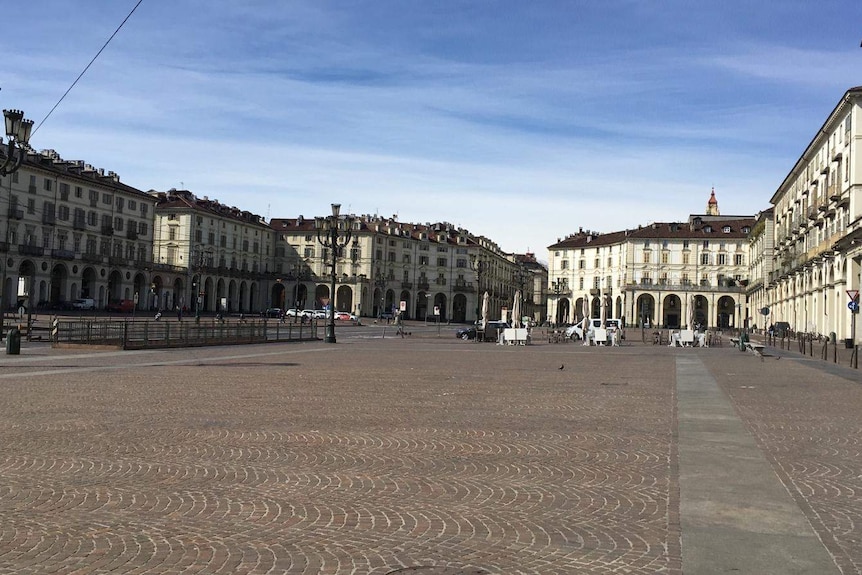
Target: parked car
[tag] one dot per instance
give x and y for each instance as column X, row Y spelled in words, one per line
column 320, row 314
column 344, row 316
column 121, row 306
column 293, row 312
column 491, row 330
column 272, row 312
column 84, row 303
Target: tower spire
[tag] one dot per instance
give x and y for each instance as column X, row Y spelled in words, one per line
column 712, row 205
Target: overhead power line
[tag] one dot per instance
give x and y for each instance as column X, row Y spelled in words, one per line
column 84, row 71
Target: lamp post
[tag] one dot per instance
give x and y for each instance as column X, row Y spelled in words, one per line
column 559, row 286
column 380, row 283
column 18, row 138
column 204, row 257
column 479, row 265
column 18, row 135
column 328, row 236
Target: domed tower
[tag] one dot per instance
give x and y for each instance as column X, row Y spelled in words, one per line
column 712, row 205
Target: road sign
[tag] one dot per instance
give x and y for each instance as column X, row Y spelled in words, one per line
column 764, row 311
column 853, row 294
column 853, row 306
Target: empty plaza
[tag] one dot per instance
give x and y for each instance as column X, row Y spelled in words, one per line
column 428, row 454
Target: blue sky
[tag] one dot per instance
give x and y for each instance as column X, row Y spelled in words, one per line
column 520, row 121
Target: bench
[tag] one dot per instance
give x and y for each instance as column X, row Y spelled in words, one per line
column 755, row 348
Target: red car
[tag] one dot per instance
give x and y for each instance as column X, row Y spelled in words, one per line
column 121, row 306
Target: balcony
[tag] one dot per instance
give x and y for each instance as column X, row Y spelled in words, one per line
column 131, row 234
column 466, row 287
column 117, row 261
column 31, row 250
column 63, row 254
column 92, row 258
column 440, row 281
column 4, row 247
column 79, row 224
column 107, row 230
column 16, row 214
column 406, row 285
column 424, row 286
column 49, row 219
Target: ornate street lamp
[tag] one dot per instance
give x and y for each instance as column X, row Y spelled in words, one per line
column 328, row 236
column 204, row 259
column 18, row 135
column 559, row 286
column 479, row 265
column 380, row 283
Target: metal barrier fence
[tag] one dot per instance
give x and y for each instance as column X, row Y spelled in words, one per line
column 149, row 334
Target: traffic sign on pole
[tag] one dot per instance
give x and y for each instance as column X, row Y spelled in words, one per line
column 853, row 306
column 853, row 294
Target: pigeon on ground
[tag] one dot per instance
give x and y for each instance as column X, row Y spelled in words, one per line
column 562, row 367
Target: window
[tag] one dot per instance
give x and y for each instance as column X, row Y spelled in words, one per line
column 107, row 199
column 64, row 191
column 121, row 203
column 199, row 236
column 79, row 192
column 704, row 259
column 405, row 258
column 390, row 256
column 142, row 229
column 685, row 258
column 423, row 260
column 646, row 257
column 442, row 262
column 309, row 252
column 92, row 218
column 564, row 265
column 118, row 224
column 665, row 257
column 685, row 244
column 461, row 263
column 582, row 264
column 722, row 259
column 63, row 213
column 738, row 259
column 31, row 206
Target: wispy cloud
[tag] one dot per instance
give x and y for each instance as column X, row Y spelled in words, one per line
column 521, row 123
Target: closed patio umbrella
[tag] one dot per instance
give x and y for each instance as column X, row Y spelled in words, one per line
column 516, row 310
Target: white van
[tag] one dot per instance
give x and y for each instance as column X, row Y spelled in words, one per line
column 84, row 303
column 576, row 331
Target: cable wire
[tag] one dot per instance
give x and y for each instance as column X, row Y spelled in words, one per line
column 84, row 71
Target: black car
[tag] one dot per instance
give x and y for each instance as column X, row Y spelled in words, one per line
column 492, row 329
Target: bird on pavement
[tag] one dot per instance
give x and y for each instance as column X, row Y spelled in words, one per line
column 562, row 367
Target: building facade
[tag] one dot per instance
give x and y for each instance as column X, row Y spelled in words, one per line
column 436, row 272
column 72, row 231
column 209, row 257
column 818, row 230
column 672, row 275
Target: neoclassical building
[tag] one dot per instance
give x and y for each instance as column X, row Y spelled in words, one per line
column 672, row 274
column 818, row 230
column 434, row 271
column 72, row 231
column 209, row 256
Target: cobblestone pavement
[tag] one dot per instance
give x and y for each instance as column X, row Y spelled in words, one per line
column 808, row 423
column 374, row 456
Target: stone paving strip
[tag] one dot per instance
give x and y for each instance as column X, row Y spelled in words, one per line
column 422, row 456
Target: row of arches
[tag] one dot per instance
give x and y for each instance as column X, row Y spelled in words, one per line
column 672, row 311
column 371, row 302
